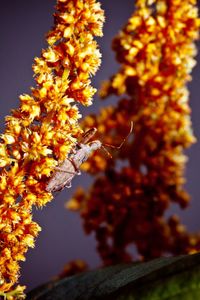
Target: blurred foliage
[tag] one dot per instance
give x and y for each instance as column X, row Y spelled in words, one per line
column 127, row 203
column 163, row 278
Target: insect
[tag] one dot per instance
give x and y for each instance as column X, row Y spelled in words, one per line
column 65, row 172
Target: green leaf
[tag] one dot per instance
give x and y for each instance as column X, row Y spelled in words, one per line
column 169, row 278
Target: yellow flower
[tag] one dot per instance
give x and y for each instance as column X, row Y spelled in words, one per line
column 44, row 129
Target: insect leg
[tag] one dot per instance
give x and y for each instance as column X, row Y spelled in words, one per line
column 60, row 188
column 67, row 184
column 64, row 171
column 78, row 172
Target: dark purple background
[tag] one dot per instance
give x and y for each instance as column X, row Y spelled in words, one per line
column 23, row 25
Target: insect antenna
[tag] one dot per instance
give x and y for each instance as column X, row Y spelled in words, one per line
column 106, row 151
column 122, row 143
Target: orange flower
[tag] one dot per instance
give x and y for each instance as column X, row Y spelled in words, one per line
column 72, row 268
column 126, row 205
column 43, row 130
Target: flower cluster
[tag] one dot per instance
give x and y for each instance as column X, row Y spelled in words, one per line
column 126, row 206
column 72, row 268
column 43, row 130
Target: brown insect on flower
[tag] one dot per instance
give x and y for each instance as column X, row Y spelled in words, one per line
column 66, row 171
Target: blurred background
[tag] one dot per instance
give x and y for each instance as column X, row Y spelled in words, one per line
column 23, row 25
